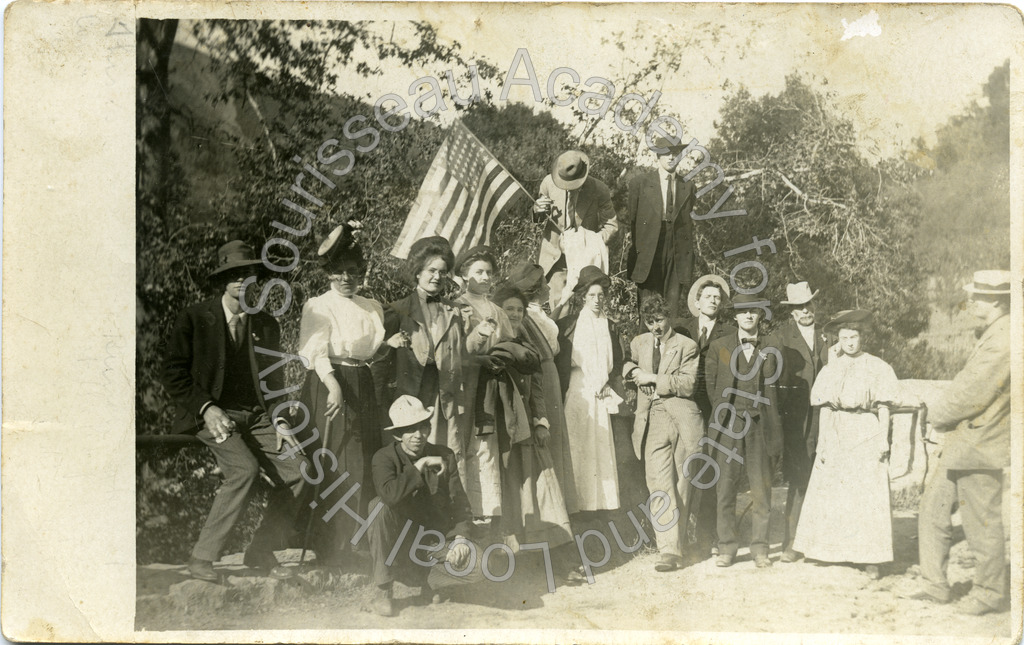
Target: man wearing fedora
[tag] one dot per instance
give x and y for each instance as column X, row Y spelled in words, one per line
column 571, row 198
column 973, row 416
column 418, row 482
column 740, row 371
column 804, row 353
column 707, row 301
column 660, row 259
column 212, row 373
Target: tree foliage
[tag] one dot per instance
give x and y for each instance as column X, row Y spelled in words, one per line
column 838, row 220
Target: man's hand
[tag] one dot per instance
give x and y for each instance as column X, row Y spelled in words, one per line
column 430, row 461
column 334, row 398
column 542, row 205
column 458, row 555
column 541, row 435
column 401, row 339
column 284, row 436
column 492, row 363
column 218, row 423
column 641, row 377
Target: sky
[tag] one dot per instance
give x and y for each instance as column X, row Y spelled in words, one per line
column 900, row 72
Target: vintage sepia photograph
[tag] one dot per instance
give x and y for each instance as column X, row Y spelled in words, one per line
column 654, row 317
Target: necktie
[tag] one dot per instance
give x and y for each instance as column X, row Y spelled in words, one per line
column 703, row 340
column 656, row 363
column 233, row 327
column 669, row 201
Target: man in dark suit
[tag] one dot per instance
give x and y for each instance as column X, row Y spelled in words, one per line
column 212, row 373
column 658, row 215
column 804, row 353
column 707, row 300
column 741, row 372
column 419, row 489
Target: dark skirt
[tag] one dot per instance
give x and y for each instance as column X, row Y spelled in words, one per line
column 352, row 437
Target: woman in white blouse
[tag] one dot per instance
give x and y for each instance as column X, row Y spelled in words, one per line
column 340, row 334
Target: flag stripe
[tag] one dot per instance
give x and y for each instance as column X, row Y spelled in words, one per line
column 464, row 193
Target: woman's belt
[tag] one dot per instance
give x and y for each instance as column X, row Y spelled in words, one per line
column 349, row 362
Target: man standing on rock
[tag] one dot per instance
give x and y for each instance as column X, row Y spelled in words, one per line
column 973, row 413
column 212, row 372
column 804, row 353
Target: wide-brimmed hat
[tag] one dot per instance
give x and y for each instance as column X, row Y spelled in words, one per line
column 990, row 282
column 846, row 317
column 663, row 146
column 798, row 294
column 691, row 298
column 236, row 254
column 407, row 411
column 570, row 170
column 339, row 245
column 589, row 276
column 479, row 252
column 527, row 277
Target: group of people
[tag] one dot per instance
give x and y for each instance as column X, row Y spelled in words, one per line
column 472, row 412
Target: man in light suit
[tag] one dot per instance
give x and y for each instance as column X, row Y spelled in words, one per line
column 212, row 373
column 804, row 353
column 741, row 372
column 658, row 215
column 571, row 198
column 973, row 413
column 667, row 425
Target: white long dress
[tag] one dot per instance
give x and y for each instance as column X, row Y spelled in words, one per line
column 588, row 407
column 846, row 516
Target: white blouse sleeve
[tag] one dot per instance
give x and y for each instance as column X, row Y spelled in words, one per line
column 314, row 339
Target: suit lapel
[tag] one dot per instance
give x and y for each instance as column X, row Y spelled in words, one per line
column 796, row 339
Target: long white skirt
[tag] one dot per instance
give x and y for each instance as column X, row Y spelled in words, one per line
column 589, row 427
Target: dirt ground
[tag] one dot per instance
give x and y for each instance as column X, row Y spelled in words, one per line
column 802, row 597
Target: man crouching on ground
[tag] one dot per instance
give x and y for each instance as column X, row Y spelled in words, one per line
column 418, row 484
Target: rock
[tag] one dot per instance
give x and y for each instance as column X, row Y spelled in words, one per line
column 256, row 593
column 192, row 596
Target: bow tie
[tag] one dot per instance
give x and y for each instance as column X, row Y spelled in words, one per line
column 752, row 341
column 430, row 299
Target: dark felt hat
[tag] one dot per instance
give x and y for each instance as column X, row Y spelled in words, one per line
column 589, row 276
column 340, row 245
column 740, row 301
column 236, row 254
column 846, row 317
column 479, row 252
column 663, row 146
column 527, row 277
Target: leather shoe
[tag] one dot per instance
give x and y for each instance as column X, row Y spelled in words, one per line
column 724, row 560
column 202, row 570
column 789, row 555
column 925, row 595
column 668, row 563
column 267, row 561
column 974, row 607
column 762, row 561
column 382, row 605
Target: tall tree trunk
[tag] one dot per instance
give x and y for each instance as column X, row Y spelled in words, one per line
column 152, row 117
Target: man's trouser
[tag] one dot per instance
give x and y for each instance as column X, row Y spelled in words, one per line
column 240, row 456
column 759, row 473
column 979, row 494
column 665, row 451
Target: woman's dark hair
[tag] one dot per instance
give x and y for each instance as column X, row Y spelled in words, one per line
column 476, row 256
column 421, row 253
column 506, row 292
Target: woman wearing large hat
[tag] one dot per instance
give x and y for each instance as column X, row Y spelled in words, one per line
column 339, row 335
column 589, row 365
column 846, row 515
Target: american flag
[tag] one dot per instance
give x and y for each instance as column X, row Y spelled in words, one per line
column 464, row 193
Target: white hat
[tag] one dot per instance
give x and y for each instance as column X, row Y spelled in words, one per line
column 798, row 294
column 407, row 411
column 990, row 283
column 698, row 284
